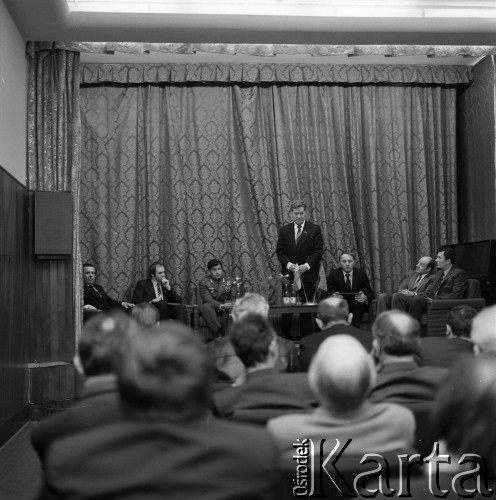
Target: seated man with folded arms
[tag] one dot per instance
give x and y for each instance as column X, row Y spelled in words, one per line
column 450, row 282
column 333, row 318
column 166, row 444
column 158, row 291
column 265, row 392
column 95, row 299
column 215, row 293
column 97, row 354
column 353, row 285
column 229, row 368
column 341, row 376
column 417, row 282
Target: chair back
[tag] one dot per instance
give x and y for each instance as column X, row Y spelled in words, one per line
column 473, row 290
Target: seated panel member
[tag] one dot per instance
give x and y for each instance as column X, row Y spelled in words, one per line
column 95, row 299
column 449, row 283
column 417, row 282
column 158, row 291
column 215, row 293
column 354, row 286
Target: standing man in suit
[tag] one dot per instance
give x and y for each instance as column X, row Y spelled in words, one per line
column 449, row 283
column 417, row 282
column 95, row 299
column 353, row 285
column 333, row 318
column 299, row 247
column 158, row 291
column 215, row 293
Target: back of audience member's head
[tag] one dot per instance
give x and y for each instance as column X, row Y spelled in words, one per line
column 465, row 409
column 397, row 333
column 331, row 310
column 146, row 315
column 101, row 341
column 459, row 320
column 253, row 338
column 483, row 330
column 165, row 374
column 341, row 374
column 250, row 303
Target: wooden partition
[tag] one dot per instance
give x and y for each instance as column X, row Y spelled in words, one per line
column 36, row 315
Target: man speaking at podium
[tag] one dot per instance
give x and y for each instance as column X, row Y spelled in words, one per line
column 299, row 248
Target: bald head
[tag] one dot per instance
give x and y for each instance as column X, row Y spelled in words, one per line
column 331, row 310
column 425, row 265
column 341, row 374
column 483, row 331
column 397, row 333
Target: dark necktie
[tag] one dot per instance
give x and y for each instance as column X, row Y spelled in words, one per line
column 348, row 281
column 298, row 232
column 159, row 291
column 417, row 281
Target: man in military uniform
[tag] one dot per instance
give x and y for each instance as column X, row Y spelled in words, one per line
column 215, row 294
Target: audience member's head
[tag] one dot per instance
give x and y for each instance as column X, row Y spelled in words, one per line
column 396, row 333
column 250, row 303
column 459, row 321
column 332, row 310
column 483, row 331
column 146, row 315
column 102, row 338
column 89, row 273
column 165, row 373
column 254, row 341
column 341, row 374
column 466, row 409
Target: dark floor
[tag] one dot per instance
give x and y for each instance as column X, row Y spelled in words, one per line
column 20, row 470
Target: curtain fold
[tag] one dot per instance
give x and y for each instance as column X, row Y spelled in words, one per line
column 182, row 174
column 54, row 138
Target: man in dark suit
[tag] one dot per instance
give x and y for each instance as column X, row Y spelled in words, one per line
column 299, row 248
column 96, row 358
column 416, row 282
column 265, row 393
column 449, row 283
column 353, row 285
column 333, row 318
column 167, row 445
column 215, row 293
column 158, row 291
column 399, row 378
column 446, row 351
column 95, row 299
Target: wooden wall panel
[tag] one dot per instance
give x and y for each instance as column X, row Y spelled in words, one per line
column 16, row 295
column 36, row 311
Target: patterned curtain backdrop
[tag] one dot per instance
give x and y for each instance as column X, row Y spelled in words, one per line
column 184, row 173
column 54, row 137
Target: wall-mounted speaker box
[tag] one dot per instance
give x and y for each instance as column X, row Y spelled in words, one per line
column 53, row 224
